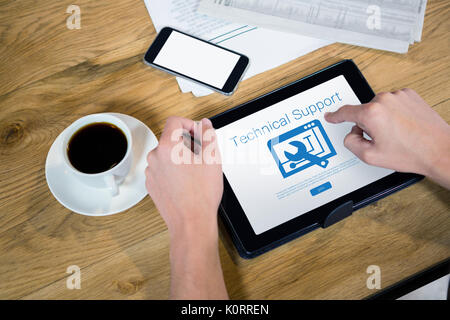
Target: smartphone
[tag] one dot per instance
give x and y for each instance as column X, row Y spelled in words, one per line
column 198, row 60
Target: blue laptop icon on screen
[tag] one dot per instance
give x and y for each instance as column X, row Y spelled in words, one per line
column 303, row 147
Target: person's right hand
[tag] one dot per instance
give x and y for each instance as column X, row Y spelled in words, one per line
column 187, row 191
column 407, row 134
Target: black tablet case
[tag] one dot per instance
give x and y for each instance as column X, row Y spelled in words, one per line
column 336, row 215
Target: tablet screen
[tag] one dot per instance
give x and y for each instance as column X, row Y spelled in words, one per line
column 286, row 160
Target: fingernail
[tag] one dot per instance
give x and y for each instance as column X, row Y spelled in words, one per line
column 207, row 121
column 328, row 117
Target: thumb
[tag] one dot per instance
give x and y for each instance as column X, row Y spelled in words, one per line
column 357, row 144
column 209, row 143
column 208, row 132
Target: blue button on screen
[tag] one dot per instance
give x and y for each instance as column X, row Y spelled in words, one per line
column 320, row 189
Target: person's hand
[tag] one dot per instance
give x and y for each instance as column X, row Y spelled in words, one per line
column 186, row 187
column 407, row 134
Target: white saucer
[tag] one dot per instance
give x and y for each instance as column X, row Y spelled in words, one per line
column 78, row 197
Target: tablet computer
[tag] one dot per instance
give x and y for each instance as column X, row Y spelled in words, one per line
column 286, row 170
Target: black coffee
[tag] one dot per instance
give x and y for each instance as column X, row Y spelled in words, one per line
column 97, row 147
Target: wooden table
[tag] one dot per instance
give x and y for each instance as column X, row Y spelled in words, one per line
column 50, row 76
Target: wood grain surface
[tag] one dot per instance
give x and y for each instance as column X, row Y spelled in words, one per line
column 50, row 76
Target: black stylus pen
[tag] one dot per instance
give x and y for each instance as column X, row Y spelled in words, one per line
column 191, row 143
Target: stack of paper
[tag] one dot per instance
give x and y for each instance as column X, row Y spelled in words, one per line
column 266, row 48
column 380, row 24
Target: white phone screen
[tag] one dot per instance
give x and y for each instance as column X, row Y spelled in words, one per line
column 197, row 59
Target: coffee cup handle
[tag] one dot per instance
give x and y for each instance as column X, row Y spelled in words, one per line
column 112, row 185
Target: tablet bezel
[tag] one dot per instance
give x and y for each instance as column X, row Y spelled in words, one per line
column 250, row 244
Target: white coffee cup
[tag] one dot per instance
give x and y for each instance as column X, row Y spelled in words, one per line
column 112, row 178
